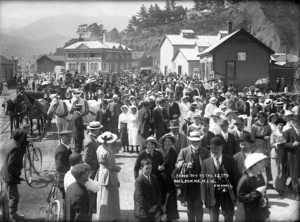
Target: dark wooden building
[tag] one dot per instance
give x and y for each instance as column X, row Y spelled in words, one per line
column 239, row 58
column 8, row 68
column 46, row 63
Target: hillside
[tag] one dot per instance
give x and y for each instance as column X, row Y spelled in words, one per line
column 273, row 23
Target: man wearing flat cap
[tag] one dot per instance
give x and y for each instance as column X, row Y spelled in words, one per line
column 78, row 128
column 11, row 171
column 61, row 157
column 77, row 202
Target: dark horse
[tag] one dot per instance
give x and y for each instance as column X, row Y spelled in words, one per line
column 38, row 108
column 16, row 113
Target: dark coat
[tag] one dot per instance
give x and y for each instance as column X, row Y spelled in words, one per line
column 239, row 158
column 115, row 109
column 77, row 203
column 90, row 155
column 104, row 119
column 145, row 124
column 159, row 115
column 229, row 147
column 13, row 163
column 240, row 107
column 293, row 153
column 237, row 137
column 173, row 110
column 61, row 157
column 208, row 168
column 78, row 126
column 145, row 195
column 206, row 140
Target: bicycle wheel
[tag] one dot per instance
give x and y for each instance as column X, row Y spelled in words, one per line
column 53, row 214
column 27, row 169
column 36, row 159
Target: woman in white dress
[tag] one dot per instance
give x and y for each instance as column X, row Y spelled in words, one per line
column 108, row 201
column 133, row 129
column 184, row 107
column 211, row 106
column 5, row 87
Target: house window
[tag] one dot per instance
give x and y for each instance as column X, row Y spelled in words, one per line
column 179, row 70
column 230, row 69
column 241, row 56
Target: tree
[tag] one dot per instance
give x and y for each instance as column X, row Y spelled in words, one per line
column 95, row 30
column 82, row 30
column 173, row 4
column 143, row 17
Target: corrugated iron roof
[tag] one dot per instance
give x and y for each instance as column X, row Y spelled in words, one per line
column 190, row 54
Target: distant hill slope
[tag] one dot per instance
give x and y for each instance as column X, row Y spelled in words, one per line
column 273, row 23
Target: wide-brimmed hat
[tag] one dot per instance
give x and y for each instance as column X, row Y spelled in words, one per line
column 185, row 97
column 280, row 120
column 174, row 124
column 65, row 132
column 217, row 112
column 133, row 107
column 94, row 125
column 107, row 137
column 280, row 103
column 124, row 106
column 168, row 135
column 213, row 100
column 254, row 158
column 204, row 120
column 194, row 136
column 115, row 96
column 239, row 120
column 197, row 115
column 268, row 102
column 215, row 141
column 229, row 111
column 261, row 114
column 152, row 140
column 222, row 106
column 245, row 137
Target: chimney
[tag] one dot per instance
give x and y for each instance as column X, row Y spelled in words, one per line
column 229, row 27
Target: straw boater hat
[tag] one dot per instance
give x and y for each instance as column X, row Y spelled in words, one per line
column 162, row 139
column 107, row 137
column 152, row 140
column 115, row 96
column 268, row 102
column 194, row 136
column 213, row 100
column 94, row 125
column 279, row 103
column 253, row 159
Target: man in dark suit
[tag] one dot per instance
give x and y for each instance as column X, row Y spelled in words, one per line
column 239, row 130
column 115, row 109
column 104, row 116
column 11, row 171
column 227, row 139
column 220, row 175
column 160, row 118
column 77, row 203
column 78, row 128
column 207, row 135
column 173, row 108
column 228, row 102
column 181, row 139
column 192, row 158
column 292, row 147
column 145, row 120
column 147, row 197
column 242, row 106
column 61, row 157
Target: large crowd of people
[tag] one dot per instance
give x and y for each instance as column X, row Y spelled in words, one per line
column 205, row 144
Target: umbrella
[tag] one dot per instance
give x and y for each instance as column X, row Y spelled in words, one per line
column 261, row 81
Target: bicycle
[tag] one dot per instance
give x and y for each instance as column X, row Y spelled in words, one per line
column 54, row 208
column 32, row 161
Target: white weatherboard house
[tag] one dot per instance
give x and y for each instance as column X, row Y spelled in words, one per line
column 93, row 56
column 171, row 44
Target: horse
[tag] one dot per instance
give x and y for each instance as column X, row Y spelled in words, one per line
column 61, row 109
column 16, row 113
column 37, row 110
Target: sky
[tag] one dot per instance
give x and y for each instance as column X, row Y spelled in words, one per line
column 17, row 14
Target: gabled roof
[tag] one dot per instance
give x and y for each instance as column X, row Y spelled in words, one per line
column 98, row 45
column 189, row 54
column 224, row 39
column 54, row 58
column 4, row 60
column 137, row 55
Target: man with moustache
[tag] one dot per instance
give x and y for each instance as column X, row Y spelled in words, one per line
column 192, row 158
column 220, row 177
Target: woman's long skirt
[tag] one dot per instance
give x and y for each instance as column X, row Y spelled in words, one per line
column 124, row 134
